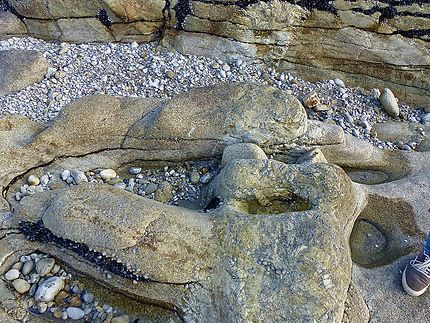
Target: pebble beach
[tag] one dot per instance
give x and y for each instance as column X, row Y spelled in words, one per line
column 147, row 70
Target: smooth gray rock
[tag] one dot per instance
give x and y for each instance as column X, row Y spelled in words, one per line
column 28, row 267
column 75, row 313
column 44, row 266
column 47, row 291
column 12, row 274
column 389, row 103
column 21, row 286
column 242, row 151
column 78, row 176
column 20, row 68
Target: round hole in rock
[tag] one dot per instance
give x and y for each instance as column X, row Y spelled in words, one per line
column 274, row 204
column 367, row 176
column 384, row 231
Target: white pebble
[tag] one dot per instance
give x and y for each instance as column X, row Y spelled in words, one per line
column 33, row 180
column 108, row 174
column 75, row 313
column 47, row 291
column 12, row 274
column 339, row 82
column 65, row 174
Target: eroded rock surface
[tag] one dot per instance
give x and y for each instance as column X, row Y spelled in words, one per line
column 275, row 240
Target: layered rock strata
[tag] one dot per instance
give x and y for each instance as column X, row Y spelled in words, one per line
column 370, row 44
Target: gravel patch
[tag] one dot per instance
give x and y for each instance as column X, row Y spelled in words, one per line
column 54, row 293
column 174, row 185
column 148, row 70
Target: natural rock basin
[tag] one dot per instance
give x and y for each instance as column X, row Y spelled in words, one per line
column 275, row 245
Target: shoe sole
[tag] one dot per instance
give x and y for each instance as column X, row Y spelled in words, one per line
column 409, row 290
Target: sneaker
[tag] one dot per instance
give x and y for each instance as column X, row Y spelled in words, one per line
column 416, row 276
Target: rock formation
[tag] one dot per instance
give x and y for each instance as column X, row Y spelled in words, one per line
column 357, row 40
column 274, row 244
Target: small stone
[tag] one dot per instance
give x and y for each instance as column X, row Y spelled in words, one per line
column 321, row 108
column 57, row 313
column 134, row 170
column 44, row 266
column 376, row 93
column 18, row 265
column 33, row 180
column 60, row 298
column 65, row 174
column 339, row 82
column 32, row 290
column 55, row 269
column 222, row 74
column 226, row 67
column 21, row 286
column 425, row 117
column 239, row 62
column 78, row 176
column 28, row 267
column 24, row 258
column 88, row 297
column 34, row 278
column 41, row 307
column 389, row 103
column 76, row 289
column 114, row 181
column 170, row 74
column 64, row 316
column 206, row 178
column 151, row 188
column 194, row 178
column 44, row 180
column 47, row 291
column 348, row 117
column 51, row 72
column 108, row 174
column 12, row 274
column 74, row 301
column 355, row 132
column 311, row 100
column 164, row 192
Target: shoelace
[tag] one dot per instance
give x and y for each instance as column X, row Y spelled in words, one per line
column 422, row 266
